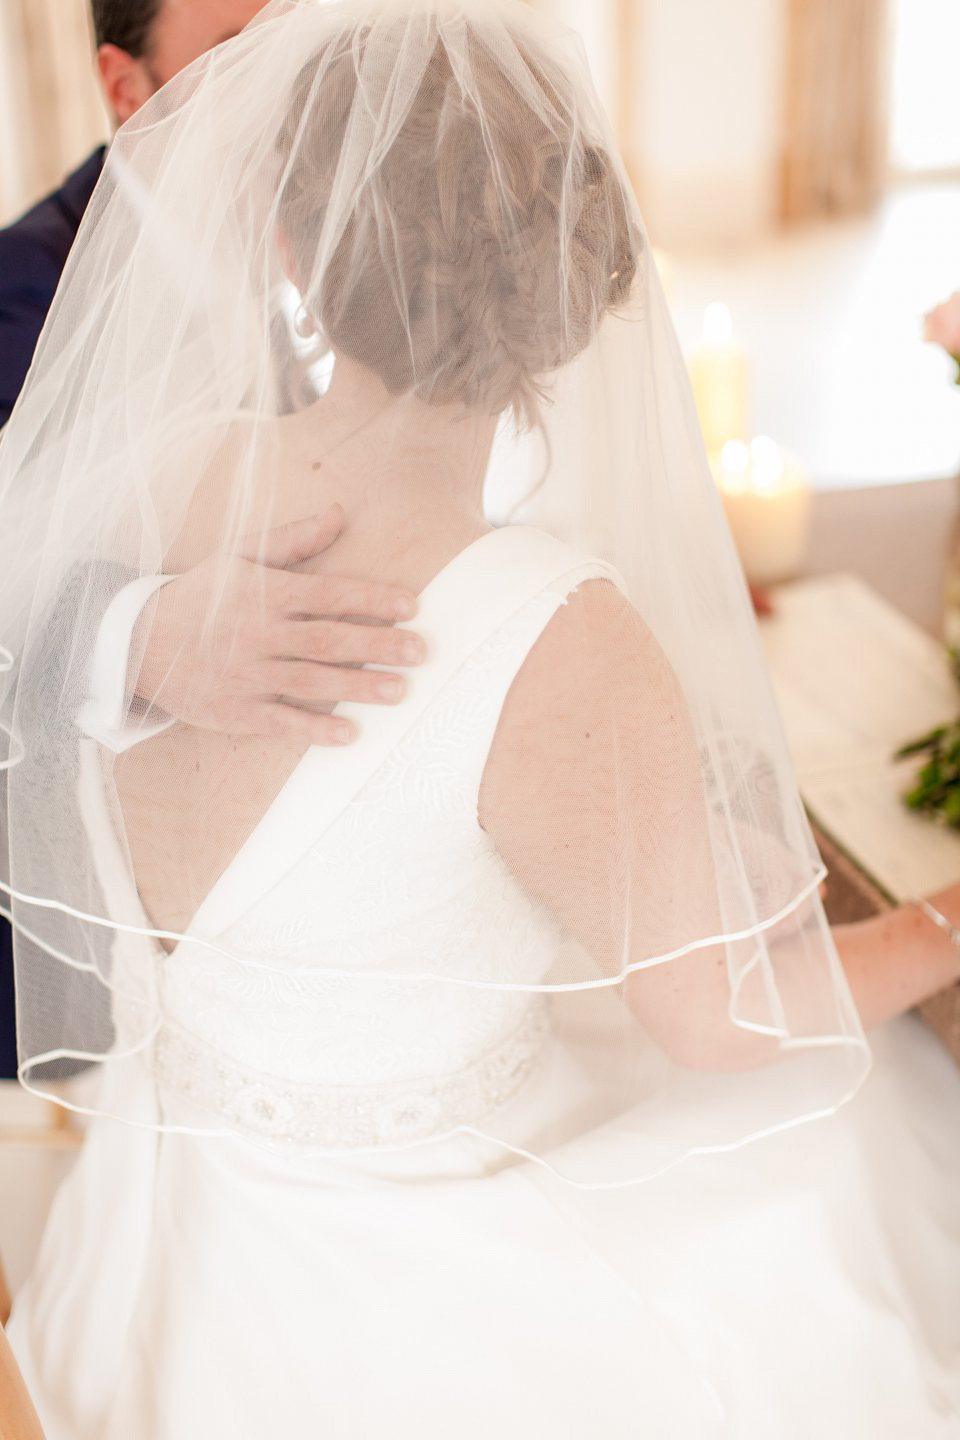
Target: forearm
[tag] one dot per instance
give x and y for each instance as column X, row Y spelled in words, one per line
column 892, row 962
column 896, row 960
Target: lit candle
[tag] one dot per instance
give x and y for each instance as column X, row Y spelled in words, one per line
column 718, row 374
column 767, row 502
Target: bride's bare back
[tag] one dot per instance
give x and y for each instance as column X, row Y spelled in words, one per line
column 191, row 796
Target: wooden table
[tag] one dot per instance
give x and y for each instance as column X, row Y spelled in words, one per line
column 895, row 537
column 855, row 679
column 850, row 895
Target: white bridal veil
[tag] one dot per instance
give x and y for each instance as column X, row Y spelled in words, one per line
column 429, row 192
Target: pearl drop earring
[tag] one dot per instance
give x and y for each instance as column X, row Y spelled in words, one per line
column 303, row 323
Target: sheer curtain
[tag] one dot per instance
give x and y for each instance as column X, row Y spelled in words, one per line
column 51, row 113
column 836, row 104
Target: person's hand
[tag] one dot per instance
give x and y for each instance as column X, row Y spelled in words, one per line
column 272, row 647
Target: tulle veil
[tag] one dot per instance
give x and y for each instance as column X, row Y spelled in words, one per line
column 427, row 198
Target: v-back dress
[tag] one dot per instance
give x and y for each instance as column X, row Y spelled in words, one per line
column 198, row 1287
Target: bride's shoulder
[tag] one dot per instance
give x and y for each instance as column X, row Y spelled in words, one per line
column 595, row 647
column 592, row 686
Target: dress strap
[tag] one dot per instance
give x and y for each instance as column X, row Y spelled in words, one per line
column 479, row 591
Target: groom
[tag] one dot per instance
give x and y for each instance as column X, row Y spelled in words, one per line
column 141, row 44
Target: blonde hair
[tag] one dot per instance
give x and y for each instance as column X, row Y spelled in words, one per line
column 510, row 235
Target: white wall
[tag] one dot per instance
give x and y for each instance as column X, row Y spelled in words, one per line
column 705, row 117
column 696, row 86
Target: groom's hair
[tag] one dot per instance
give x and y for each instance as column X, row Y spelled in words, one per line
column 125, row 23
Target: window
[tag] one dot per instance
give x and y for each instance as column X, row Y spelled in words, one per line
column 925, row 119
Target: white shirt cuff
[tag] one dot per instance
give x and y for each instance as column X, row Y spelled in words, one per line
column 104, row 716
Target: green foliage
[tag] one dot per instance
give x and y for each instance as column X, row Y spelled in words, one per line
column 936, row 787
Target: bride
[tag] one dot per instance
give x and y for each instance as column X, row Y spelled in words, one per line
column 425, row 1066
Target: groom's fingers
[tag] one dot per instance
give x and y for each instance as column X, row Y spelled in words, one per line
column 283, row 639
column 285, row 546
column 337, row 595
column 300, row 683
column 286, row 722
column 331, row 642
column 295, row 542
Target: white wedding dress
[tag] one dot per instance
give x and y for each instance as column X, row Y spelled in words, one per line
column 197, row 1288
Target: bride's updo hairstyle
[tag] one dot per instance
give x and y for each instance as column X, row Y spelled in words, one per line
column 481, row 247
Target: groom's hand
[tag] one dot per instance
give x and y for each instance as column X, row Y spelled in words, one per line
column 245, row 644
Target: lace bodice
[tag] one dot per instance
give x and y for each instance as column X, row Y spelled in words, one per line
column 365, row 996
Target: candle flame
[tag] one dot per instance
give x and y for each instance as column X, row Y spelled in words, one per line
column 766, row 467
column 734, row 465
column 735, row 456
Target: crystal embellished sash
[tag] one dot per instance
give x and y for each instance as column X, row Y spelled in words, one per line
column 350, row 1117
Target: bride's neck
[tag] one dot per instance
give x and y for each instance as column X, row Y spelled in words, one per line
column 396, row 453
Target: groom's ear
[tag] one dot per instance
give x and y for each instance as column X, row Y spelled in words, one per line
column 127, row 83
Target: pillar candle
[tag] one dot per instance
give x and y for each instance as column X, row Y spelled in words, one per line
column 718, row 374
column 767, row 503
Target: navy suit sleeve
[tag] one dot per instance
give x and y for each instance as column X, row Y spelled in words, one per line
column 29, row 275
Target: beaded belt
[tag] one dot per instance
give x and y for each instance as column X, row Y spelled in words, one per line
column 350, row 1117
